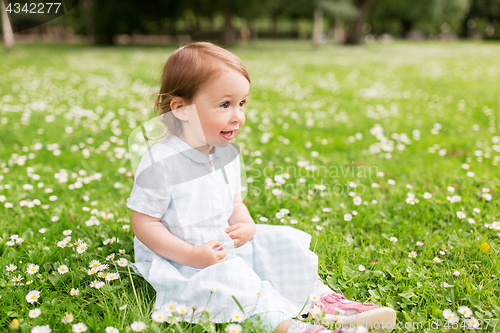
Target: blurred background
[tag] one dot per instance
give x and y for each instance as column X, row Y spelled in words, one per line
column 226, row 22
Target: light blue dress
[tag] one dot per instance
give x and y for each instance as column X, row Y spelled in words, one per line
column 273, row 272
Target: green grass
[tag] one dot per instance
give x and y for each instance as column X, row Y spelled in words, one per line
column 310, row 101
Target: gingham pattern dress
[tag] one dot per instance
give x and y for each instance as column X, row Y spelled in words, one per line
column 274, row 271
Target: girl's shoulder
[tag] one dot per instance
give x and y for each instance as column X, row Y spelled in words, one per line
column 156, row 155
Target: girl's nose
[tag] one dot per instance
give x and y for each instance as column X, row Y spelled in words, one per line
column 238, row 116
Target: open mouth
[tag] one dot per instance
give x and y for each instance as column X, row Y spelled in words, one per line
column 228, row 135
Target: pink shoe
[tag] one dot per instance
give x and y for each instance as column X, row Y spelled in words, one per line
column 320, row 328
column 343, row 311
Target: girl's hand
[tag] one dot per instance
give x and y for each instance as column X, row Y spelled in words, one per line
column 205, row 255
column 241, row 233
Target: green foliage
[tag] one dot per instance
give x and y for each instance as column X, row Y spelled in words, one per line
column 427, row 14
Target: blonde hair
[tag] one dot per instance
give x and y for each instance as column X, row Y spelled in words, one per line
column 186, row 72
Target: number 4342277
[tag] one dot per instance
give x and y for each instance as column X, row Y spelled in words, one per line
column 33, row 8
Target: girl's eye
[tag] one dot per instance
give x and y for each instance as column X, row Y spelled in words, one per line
column 227, row 103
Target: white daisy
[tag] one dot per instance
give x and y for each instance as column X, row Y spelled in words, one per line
column 234, row 328
column 33, row 296
column 82, row 247
column 74, row 292
column 17, row 279
column 122, row 262
column 111, row 329
column 41, row 329
column 138, row 326
column 34, row 313
column 183, row 309
column 238, row 316
column 103, row 267
column 94, row 263
column 80, row 327
column 10, row 267
column 159, row 316
column 112, row 276
column 466, row 311
column 62, row 269
column 450, row 316
column 473, row 323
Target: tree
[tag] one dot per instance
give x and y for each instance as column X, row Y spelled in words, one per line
column 105, row 18
column 489, row 9
column 355, row 32
column 8, row 35
column 340, row 11
column 409, row 14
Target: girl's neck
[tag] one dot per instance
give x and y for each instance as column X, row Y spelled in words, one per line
column 204, row 148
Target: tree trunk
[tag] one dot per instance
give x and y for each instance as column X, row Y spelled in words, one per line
column 253, row 29
column 227, row 37
column 406, row 27
column 198, row 24
column 172, row 26
column 318, row 28
column 88, row 6
column 490, row 29
column 339, row 32
column 464, row 29
column 8, row 35
column 212, row 23
column 296, row 28
column 273, row 31
column 355, row 33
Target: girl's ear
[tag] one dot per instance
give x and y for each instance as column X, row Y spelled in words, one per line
column 177, row 105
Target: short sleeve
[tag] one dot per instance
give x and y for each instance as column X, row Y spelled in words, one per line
column 150, row 193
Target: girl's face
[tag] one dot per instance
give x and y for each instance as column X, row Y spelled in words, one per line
column 220, row 108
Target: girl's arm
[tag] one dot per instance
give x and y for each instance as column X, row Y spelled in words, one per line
column 152, row 233
column 242, row 226
column 240, row 213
